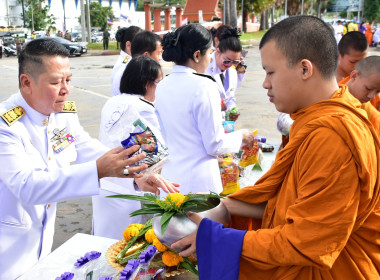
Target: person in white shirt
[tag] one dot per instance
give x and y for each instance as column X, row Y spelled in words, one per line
column 138, row 86
column 227, row 54
column 124, row 36
column 188, row 107
column 40, row 138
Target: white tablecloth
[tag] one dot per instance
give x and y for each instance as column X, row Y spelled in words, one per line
column 63, row 258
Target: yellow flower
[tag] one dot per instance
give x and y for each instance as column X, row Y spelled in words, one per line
column 160, row 247
column 171, row 259
column 175, row 198
column 131, row 231
column 150, row 236
column 192, row 259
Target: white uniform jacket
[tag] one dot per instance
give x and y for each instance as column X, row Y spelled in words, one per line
column 33, row 178
column 118, row 71
column 226, row 90
column 110, row 215
column 118, row 63
column 188, row 106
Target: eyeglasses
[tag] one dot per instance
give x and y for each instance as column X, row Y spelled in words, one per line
column 234, row 62
column 157, row 82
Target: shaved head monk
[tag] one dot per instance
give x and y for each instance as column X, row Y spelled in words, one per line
column 319, row 202
column 352, row 48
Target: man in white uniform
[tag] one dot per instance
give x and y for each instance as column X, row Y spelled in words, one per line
column 40, row 136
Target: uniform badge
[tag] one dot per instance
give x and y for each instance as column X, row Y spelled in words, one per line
column 63, row 143
column 58, row 134
column 69, row 107
column 126, row 59
column 13, row 115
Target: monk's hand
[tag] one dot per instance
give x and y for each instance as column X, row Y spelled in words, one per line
column 189, row 242
column 153, row 182
column 115, row 163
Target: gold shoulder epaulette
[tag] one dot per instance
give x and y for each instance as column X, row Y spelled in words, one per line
column 13, row 115
column 69, row 107
column 205, row 75
column 126, row 59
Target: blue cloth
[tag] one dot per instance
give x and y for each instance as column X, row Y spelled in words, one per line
column 218, row 251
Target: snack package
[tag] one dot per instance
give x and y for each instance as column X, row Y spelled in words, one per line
column 249, row 156
column 229, row 172
column 156, row 152
column 233, row 112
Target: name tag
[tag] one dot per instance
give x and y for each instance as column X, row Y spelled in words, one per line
column 63, row 143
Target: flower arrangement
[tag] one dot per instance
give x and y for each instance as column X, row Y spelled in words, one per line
column 172, row 204
column 138, row 237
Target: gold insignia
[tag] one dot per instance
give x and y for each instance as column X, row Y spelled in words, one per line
column 126, row 59
column 13, row 115
column 69, row 107
column 210, row 59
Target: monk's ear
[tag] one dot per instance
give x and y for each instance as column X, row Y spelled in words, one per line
column 354, row 75
column 307, row 69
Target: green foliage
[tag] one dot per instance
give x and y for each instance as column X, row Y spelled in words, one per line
column 371, row 10
column 37, row 16
column 98, row 15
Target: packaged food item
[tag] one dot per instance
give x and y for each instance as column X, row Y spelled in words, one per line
column 228, row 126
column 266, row 147
column 156, row 152
column 249, row 155
column 229, row 172
column 233, row 112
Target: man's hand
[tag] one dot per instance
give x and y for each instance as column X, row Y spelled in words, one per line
column 152, row 183
column 248, row 138
column 234, row 117
column 114, row 162
column 189, row 242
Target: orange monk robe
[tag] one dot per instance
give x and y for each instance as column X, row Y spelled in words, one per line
column 368, row 34
column 322, row 219
column 370, row 108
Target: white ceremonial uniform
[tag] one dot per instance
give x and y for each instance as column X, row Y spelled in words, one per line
column 118, row 72
column 33, row 177
column 118, row 63
column 111, row 215
column 228, row 87
column 188, row 106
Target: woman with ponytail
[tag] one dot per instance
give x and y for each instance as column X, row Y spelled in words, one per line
column 188, row 106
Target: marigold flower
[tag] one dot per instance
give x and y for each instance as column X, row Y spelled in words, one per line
column 175, row 198
column 171, row 259
column 160, row 247
column 192, row 259
column 131, row 231
column 150, row 236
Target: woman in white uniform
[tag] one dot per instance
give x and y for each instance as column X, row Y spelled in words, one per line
column 125, row 37
column 227, row 54
column 188, row 105
column 138, row 85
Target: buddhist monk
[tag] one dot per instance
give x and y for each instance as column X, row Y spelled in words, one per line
column 364, row 85
column 353, row 47
column 319, row 202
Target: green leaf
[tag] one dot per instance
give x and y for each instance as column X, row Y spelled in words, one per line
column 150, row 205
column 165, row 221
column 144, row 211
column 134, row 197
column 190, row 266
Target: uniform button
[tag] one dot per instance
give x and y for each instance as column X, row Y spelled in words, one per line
column 48, row 206
column 49, row 158
column 49, row 131
column 45, row 122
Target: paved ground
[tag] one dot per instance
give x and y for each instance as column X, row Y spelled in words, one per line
column 90, row 90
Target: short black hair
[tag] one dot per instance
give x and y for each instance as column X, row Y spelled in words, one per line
column 305, row 37
column 30, row 60
column 353, row 40
column 145, row 41
column 179, row 46
column 139, row 72
column 125, row 34
column 368, row 66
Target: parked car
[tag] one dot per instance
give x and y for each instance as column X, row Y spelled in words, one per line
column 74, row 48
column 76, row 37
column 97, row 37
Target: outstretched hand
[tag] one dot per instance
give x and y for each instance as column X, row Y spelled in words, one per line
column 116, row 161
column 189, row 242
column 153, row 182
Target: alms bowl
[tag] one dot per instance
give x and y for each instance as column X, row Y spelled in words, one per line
column 181, row 226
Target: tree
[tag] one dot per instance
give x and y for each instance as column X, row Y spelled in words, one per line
column 37, row 16
column 99, row 14
column 371, row 10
